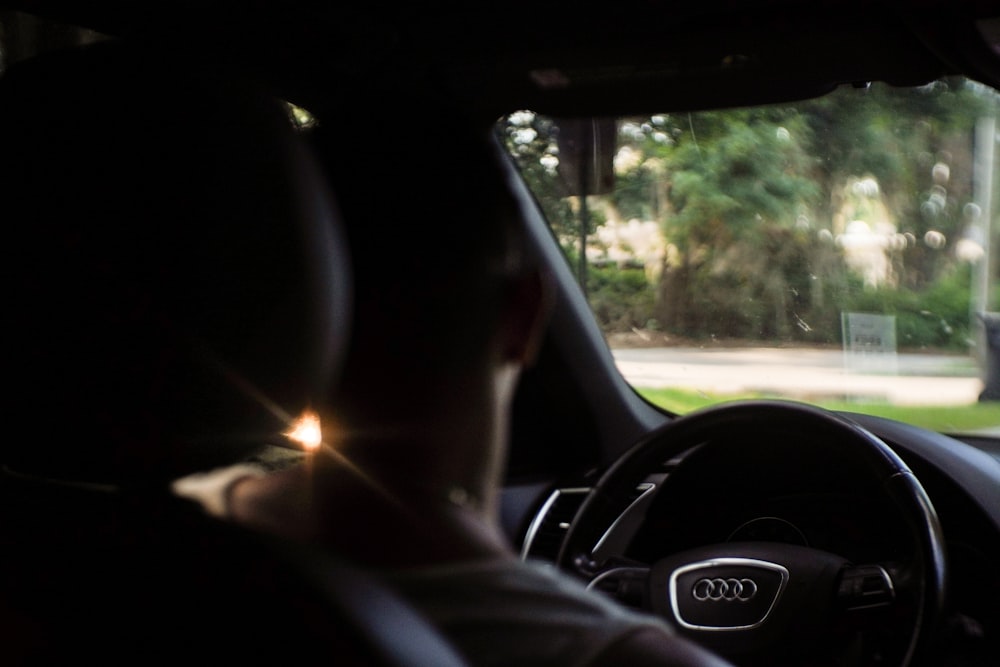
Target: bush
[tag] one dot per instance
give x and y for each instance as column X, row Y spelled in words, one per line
column 935, row 318
column 621, row 297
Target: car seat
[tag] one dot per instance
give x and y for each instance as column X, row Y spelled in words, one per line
column 177, row 292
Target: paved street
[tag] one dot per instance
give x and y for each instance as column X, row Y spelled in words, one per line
column 912, row 379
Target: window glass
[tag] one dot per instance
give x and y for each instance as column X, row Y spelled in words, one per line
column 836, row 250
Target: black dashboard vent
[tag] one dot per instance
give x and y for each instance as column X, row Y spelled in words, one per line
column 548, row 528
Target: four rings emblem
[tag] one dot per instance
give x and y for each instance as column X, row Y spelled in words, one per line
column 724, row 590
column 725, row 593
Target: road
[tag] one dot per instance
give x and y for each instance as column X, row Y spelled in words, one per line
column 910, row 379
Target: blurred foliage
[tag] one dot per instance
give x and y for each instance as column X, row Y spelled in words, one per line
column 937, row 317
column 621, row 298
column 754, row 205
column 531, row 140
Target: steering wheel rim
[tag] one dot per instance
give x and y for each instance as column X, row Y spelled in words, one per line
column 615, row 490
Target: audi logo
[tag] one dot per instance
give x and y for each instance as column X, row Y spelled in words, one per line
column 724, row 590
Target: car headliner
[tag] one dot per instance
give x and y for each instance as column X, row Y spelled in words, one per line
column 562, row 58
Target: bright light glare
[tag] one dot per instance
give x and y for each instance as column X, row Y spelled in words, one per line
column 306, row 431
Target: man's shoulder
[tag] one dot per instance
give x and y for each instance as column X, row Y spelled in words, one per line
column 521, row 613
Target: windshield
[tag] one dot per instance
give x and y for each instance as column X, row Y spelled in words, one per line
column 836, row 251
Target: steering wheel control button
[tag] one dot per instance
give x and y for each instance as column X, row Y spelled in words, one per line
column 726, row 593
column 865, row 587
column 625, row 584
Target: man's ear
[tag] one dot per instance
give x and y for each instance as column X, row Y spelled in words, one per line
column 526, row 316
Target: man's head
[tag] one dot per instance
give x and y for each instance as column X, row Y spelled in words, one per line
column 447, row 291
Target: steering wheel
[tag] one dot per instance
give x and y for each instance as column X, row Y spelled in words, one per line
column 759, row 597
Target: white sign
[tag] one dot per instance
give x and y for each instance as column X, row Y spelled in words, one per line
column 869, row 342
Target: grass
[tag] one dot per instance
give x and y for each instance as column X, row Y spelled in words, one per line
column 946, row 419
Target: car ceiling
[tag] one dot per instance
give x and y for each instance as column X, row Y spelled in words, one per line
column 564, row 58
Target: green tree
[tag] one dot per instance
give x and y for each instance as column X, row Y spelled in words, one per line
column 741, row 198
column 917, row 145
column 531, row 139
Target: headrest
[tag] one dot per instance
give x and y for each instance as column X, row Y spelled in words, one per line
column 174, row 280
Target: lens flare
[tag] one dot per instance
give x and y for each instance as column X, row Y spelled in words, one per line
column 306, row 431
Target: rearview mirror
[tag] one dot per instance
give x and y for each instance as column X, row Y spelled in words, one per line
column 586, row 155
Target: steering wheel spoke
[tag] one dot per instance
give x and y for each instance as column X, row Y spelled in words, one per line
column 628, row 584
